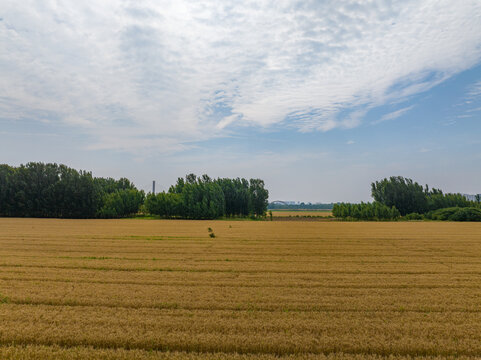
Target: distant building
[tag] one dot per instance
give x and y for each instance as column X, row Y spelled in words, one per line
column 470, row 197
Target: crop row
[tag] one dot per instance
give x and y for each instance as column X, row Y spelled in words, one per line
column 242, row 331
column 42, row 352
column 259, row 290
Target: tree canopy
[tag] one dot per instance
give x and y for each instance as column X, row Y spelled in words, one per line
column 398, row 196
column 204, row 198
column 50, row 190
column 406, row 195
column 410, row 197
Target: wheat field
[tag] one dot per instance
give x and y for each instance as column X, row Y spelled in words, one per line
column 160, row 289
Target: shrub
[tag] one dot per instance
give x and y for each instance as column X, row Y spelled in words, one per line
column 164, row 204
column 121, row 203
column 414, row 216
column 466, row 214
column 456, row 214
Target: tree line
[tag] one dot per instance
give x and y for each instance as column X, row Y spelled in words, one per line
column 365, row 211
column 410, row 197
column 205, row 198
column 51, row 190
column 57, row 191
column 411, row 201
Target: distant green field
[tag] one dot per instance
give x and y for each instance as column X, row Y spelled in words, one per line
column 301, row 213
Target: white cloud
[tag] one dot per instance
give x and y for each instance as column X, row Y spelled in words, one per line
column 162, row 74
column 474, row 91
column 474, row 110
column 393, row 115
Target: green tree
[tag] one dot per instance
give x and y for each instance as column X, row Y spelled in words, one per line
column 121, row 203
column 258, row 196
column 236, row 194
column 178, row 187
column 203, row 200
column 439, row 200
column 51, row 190
column 365, row 211
column 405, row 194
column 6, row 187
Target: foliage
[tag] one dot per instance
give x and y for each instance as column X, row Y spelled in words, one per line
column 121, row 203
column 410, row 197
column 236, row 194
column 414, row 216
column 407, row 196
column 258, row 196
column 456, row 214
column 168, row 205
column 51, row 190
column 365, row 211
column 440, row 201
column 204, row 198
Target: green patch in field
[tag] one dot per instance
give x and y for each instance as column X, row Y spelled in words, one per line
column 90, row 257
column 166, row 305
column 4, row 299
column 159, row 238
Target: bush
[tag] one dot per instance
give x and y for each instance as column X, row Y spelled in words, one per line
column 414, row 216
column 121, row 203
column 164, row 204
column 456, row 214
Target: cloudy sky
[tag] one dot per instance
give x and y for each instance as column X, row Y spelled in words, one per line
column 318, row 98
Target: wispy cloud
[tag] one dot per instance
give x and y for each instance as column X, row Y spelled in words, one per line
column 474, row 90
column 160, row 75
column 393, row 115
column 424, row 150
column 473, row 110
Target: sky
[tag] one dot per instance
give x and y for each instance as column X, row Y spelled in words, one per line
column 318, row 98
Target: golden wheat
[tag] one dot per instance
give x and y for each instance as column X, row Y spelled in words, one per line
column 118, row 289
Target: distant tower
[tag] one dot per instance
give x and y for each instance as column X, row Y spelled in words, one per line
column 153, row 187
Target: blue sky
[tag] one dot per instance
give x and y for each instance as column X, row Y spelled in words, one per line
column 318, row 98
